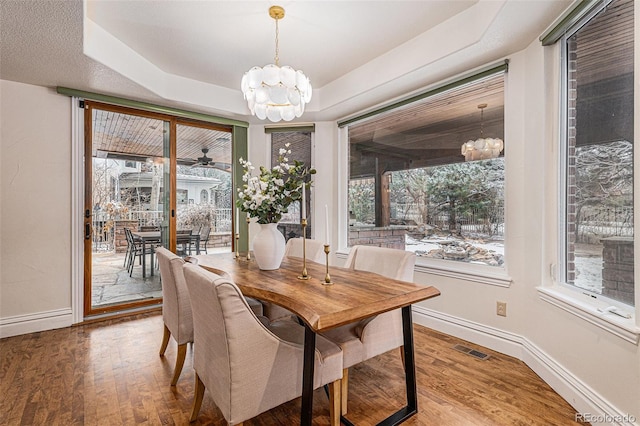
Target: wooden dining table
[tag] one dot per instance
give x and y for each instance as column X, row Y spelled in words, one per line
column 353, row 296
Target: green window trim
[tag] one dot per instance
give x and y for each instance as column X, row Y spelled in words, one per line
column 448, row 85
column 145, row 106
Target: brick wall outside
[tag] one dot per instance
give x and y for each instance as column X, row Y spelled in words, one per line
column 219, row 239
column 119, row 239
column 617, row 269
column 380, row 237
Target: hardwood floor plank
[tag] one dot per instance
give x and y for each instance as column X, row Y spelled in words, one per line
column 109, row 373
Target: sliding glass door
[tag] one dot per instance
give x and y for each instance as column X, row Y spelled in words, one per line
column 150, row 180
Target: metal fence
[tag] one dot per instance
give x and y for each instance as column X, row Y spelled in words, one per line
column 596, row 222
column 485, row 221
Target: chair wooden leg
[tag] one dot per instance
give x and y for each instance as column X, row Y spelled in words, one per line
column 344, row 391
column 334, row 402
column 182, row 354
column 402, row 357
column 198, row 394
column 165, row 340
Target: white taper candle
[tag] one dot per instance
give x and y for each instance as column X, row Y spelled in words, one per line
column 304, row 202
column 326, row 225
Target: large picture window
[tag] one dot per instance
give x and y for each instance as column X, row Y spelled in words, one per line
column 428, row 176
column 598, row 155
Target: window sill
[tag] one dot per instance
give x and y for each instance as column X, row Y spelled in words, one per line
column 587, row 310
column 482, row 274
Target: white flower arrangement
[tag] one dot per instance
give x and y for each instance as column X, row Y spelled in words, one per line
column 268, row 196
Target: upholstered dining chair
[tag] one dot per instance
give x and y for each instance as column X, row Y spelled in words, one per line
column 250, row 367
column 314, row 252
column 176, row 307
column 370, row 337
column 314, row 249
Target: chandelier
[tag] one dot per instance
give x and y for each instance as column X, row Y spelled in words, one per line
column 274, row 92
column 482, row 148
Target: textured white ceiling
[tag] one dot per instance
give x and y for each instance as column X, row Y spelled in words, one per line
column 192, row 54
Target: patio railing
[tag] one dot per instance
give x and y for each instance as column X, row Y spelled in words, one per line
column 104, row 224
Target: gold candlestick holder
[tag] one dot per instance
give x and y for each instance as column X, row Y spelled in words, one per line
column 327, row 277
column 248, row 250
column 237, row 242
column 304, row 275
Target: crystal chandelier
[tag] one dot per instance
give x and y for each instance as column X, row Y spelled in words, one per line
column 482, row 148
column 274, row 92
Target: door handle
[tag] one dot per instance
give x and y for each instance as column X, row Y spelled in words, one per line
column 87, row 231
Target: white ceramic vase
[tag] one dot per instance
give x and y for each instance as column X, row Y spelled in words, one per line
column 268, row 247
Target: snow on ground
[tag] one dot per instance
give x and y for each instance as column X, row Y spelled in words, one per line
column 588, row 265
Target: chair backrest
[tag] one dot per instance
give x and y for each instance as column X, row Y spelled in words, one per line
column 128, row 236
column 176, row 306
column 231, row 342
column 204, row 233
column 388, row 262
column 314, row 249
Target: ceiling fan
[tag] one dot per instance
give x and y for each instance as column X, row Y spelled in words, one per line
column 206, row 162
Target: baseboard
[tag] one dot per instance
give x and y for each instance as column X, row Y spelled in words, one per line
column 582, row 398
column 31, row 323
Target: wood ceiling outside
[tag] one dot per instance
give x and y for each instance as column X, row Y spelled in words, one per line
column 429, row 131
column 604, row 47
column 121, row 135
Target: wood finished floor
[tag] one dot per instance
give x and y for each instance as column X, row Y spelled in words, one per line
column 109, row 373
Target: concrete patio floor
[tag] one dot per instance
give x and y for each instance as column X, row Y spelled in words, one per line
column 111, row 283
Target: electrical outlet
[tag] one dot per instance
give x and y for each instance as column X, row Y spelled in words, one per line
column 501, row 309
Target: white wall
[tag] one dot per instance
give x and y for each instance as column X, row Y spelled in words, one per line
column 35, row 214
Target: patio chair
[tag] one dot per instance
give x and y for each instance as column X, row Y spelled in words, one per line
column 205, row 231
column 247, row 366
column 183, row 246
column 135, row 249
column 370, row 337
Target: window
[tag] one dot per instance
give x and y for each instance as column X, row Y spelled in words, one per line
column 412, row 188
column 598, row 155
column 204, row 196
column 299, row 143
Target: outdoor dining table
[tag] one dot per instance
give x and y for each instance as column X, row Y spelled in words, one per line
column 153, row 238
column 353, row 296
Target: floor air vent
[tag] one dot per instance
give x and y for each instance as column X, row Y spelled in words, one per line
column 472, row 352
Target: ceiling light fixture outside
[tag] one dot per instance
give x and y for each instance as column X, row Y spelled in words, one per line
column 274, row 92
column 482, row 148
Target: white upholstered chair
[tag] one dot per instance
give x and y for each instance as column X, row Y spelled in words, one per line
column 176, row 307
column 314, row 249
column 314, row 252
column 247, row 366
column 365, row 339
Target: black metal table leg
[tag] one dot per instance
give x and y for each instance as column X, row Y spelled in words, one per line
column 409, row 373
column 307, row 375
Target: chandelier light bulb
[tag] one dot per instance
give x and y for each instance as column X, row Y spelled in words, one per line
column 273, row 92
